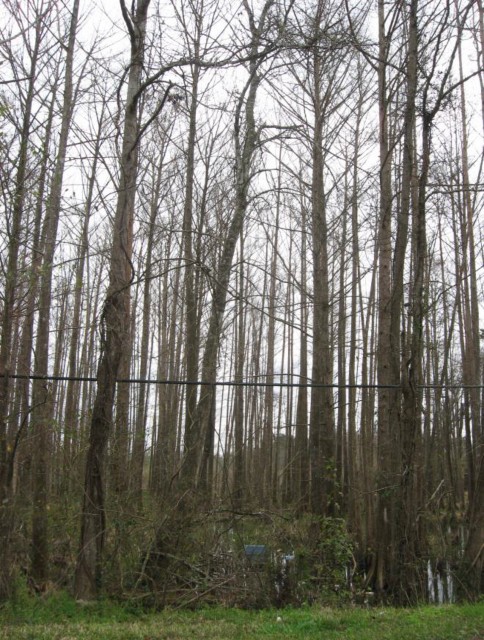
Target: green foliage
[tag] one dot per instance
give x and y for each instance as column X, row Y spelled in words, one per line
column 333, row 550
column 322, row 549
column 59, row 606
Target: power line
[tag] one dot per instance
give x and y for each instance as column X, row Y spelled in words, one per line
column 235, row 383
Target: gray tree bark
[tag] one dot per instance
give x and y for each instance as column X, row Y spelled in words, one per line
column 115, row 321
column 42, row 396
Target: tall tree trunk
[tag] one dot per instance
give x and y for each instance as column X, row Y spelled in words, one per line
column 42, row 397
column 368, row 441
column 321, row 430
column 115, row 321
column 191, row 310
column 239, row 488
column 71, row 417
column 388, row 398
column 301, row 444
column 139, row 436
column 270, row 446
column 21, row 451
column 399, row 577
column 354, row 462
column 8, row 314
column 474, row 552
column 195, row 466
column 342, row 461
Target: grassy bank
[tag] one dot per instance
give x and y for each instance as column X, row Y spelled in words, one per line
column 60, row 618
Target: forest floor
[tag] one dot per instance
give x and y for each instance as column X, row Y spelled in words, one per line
column 59, row 617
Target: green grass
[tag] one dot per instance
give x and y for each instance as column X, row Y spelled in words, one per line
column 61, row 618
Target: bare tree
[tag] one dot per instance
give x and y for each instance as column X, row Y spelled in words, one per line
column 11, row 285
column 42, row 412
column 115, row 321
column 195, row 468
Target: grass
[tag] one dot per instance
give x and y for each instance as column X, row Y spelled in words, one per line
column 59, row 617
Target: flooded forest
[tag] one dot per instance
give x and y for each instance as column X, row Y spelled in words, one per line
column 241, row 283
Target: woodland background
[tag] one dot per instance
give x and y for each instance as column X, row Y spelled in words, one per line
column 241, row 274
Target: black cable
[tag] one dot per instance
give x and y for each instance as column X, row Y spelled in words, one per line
column 234, row 383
